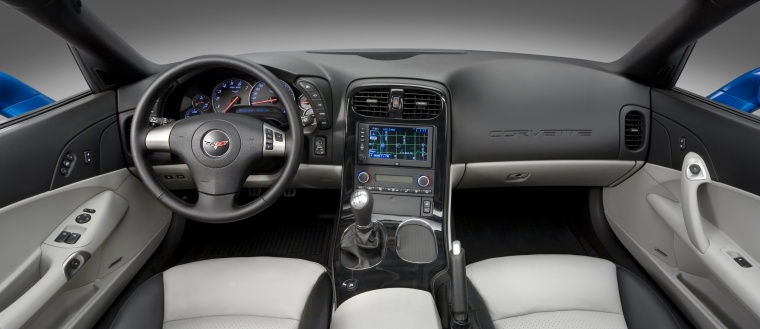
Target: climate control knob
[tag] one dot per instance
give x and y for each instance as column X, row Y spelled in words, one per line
column 423, row 181
column 363, row 177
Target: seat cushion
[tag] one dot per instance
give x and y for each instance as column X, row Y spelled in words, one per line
column 563, row 291
column 257, row 292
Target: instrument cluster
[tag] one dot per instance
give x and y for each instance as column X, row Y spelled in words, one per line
column 243, row 95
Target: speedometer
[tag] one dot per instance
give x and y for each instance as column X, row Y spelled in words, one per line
column 262, row 94
column 230, row 93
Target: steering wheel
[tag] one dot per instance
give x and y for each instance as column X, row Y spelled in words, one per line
column 220, row 149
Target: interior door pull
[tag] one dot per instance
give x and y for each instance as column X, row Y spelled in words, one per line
column 693, row 174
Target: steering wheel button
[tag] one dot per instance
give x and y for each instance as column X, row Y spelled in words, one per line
column 278, row 137
column 270, row 147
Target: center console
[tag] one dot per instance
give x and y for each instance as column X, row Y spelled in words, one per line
column 394, row 190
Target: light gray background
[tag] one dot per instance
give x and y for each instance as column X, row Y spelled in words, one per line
column 168, row 31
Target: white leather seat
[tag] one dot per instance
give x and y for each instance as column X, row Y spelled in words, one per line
column 397, row 308
column 563, row 291
column 256, row 292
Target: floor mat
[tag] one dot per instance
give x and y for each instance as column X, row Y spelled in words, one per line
column 305, row 241
column 294, row 227
column 500, row 222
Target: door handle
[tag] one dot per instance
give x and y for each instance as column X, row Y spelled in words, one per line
column 693, row 174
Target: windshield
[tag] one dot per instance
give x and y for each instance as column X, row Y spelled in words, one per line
column 172, row 30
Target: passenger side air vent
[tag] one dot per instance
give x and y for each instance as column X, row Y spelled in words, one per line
column 634, row 130
column 421, row 104
column 372, row 102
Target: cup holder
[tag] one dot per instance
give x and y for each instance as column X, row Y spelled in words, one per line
column 415, row 242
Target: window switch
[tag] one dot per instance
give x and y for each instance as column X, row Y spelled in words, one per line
column 62, row 236
column 73, row 238
column 742, row 262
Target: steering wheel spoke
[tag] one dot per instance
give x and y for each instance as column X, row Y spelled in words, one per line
column 157, row 139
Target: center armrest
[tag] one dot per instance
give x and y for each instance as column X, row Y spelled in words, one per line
column 410, row 308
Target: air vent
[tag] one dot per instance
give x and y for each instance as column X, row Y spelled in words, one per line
column 634, row 130
column 372, row 102
column 421, row 104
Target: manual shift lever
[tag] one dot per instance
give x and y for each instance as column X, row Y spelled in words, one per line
column 361, row 207
column 363, row 243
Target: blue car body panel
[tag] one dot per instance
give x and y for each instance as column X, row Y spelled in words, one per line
column 742, row 93
column 18, row 98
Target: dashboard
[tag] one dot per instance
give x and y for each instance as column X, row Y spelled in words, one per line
column 508, row 119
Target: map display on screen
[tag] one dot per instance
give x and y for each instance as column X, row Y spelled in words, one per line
column 399, row 143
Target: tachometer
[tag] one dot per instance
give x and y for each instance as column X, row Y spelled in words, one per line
column 229, row 93
column 262, row 94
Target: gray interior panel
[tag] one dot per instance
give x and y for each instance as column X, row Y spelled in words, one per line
column 546, row 173
column 308, row 176
column 645, row 212
column 34, row 264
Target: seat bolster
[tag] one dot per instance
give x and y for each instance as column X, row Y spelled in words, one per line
column 318, row 309
column 145, row 307
column 642, row 307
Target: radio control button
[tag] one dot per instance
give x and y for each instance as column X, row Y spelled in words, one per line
column 427, row 191
column 406, row 190
column 423, row 181
column 363, row 177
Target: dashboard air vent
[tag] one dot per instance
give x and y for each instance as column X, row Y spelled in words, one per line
column 421, row 104
column 634, row 130
column 372, row 102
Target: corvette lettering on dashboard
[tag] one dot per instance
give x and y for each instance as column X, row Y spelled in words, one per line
column 540, row 133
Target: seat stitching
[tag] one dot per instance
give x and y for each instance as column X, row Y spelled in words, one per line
column 567, row 310
column 654, row 292
column 248, row 315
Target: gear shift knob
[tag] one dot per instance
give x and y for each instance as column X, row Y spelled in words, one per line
column 361, row 207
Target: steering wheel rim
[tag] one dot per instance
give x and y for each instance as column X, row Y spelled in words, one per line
column 218, row 178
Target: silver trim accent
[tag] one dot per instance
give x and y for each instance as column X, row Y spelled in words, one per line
column 400, row 219
column 82, row 256
column 308, row 176
column 278, row 148
column 702, row 175
column 157, row 139
column 424, row 223
column 456, row 247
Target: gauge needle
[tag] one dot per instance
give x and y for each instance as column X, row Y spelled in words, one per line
column 271, row 100
column 234, row 100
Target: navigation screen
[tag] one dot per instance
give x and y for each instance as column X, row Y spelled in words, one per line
column 399, row 143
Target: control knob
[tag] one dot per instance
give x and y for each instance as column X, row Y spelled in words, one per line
column 423, row 181
column 363, row 177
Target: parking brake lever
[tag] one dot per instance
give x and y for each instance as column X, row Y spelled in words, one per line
column 458, row 274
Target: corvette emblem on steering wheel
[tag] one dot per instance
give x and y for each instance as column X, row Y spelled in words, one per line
column 216, row 143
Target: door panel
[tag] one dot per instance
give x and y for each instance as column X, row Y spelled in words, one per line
column 39, row 286
column 691, row 233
